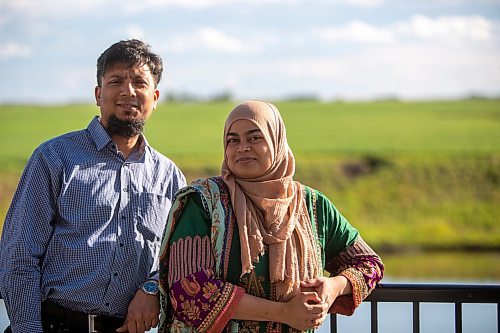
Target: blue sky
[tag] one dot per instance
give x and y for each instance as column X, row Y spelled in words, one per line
column 268, row 49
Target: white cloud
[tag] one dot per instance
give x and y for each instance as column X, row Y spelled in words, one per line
column 135, row 31
column 52, row 8
column 14, row 50
column 212, row 39
column 213, row 3
column 449, row 29
column 41, row 8
column 355, row 31
column 453, row 28
column 409, row 55
column 364, row 3
column 82, row 78
column 420, row 69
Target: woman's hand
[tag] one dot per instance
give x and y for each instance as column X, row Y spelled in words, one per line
column 328, row 288
column 305, row 311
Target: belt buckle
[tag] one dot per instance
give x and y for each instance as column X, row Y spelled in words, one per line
column 91, row 319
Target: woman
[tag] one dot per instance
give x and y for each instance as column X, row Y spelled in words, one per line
column 245, row 252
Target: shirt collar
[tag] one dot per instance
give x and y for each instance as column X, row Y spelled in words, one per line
column 98, row 133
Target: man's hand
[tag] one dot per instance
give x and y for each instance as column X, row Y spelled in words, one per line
column 143, row 313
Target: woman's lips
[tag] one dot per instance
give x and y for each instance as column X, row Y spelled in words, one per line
column 245, row 159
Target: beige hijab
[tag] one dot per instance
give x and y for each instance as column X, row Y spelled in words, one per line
column 271, row 210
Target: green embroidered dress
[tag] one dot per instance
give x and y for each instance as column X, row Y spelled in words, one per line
column 200, row 264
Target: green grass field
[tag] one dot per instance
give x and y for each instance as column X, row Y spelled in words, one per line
column 407, row 174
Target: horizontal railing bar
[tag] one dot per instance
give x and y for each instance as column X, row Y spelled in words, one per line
column 440, row 293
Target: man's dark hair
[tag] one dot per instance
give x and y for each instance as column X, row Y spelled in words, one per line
column 132, row 52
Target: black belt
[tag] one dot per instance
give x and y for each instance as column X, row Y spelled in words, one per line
column 56, row 318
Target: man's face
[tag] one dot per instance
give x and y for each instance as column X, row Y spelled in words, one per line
column 126, row 93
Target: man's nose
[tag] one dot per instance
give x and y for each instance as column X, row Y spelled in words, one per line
column 128, row 89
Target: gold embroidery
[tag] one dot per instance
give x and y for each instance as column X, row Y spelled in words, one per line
column 190, row 310
column 190, row 287
column 224, row 299
column 273, row 327
column 248, row 326
column 253, row 284
column 210, row 291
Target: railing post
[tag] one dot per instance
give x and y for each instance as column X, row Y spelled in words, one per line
column 333, row 323
column 458, row 317
column 416, row 294
column 416, row 317
column 374, row 316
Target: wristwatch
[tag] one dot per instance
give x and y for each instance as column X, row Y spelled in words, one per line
column 150, row 287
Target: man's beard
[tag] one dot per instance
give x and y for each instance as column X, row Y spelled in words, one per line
column 126, row 128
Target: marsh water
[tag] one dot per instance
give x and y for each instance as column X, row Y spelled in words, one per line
column 416, row 267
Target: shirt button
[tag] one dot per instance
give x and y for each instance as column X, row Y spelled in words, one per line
column 125, row 189
column 121, row 244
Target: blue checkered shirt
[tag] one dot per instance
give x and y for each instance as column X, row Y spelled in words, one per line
column 84, row 227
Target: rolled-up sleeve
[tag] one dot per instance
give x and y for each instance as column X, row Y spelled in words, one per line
column 363, row 268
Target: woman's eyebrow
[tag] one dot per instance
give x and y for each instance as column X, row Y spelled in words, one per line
column 249, row 132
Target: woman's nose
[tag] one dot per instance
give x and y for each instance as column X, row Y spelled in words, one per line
column 243, row 148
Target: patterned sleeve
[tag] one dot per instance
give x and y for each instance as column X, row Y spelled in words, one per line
column 347, row 254
column 199, row 299
column 363, row 268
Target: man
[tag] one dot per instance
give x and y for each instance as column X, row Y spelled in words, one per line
column 80, row 241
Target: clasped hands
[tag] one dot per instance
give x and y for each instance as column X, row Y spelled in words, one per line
column 309, row 308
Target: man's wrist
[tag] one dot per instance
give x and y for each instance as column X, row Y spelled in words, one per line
column 150, row 287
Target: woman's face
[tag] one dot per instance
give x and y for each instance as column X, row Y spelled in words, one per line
column 247, row 152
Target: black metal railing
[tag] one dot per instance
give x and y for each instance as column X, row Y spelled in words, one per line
column 457, row 294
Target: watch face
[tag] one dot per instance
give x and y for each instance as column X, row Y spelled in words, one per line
column 150, row 287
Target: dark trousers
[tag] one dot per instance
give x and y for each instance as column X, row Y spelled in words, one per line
column 57, row 319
